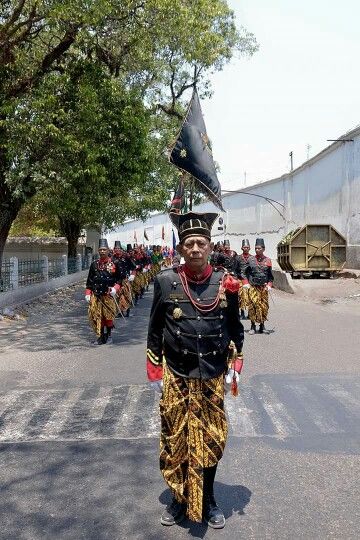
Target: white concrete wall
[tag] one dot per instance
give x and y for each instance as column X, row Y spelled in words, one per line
column 325, row 189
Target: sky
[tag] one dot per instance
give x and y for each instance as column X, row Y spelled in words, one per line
column 301, row 88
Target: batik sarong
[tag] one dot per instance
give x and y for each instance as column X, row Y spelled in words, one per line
column 244, row 298
column 193, row 435
column 101, row 309
column 258, row 304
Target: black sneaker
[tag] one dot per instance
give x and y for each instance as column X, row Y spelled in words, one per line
column 214, row 516
column 174, row 513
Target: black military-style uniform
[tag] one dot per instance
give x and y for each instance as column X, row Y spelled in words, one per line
column 257, row 271
column 102, row 276
column 196, row 345
column 229, row 262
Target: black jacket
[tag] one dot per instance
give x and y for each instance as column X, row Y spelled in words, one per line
column 195, row 345
column 258, row 272
column 100, row 279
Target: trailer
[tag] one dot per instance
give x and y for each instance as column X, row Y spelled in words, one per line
column 317, row 250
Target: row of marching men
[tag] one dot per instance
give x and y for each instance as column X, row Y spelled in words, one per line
column 116, row 282
column 256, row 278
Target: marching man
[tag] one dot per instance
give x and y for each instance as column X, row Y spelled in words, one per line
column 194, row 317
column 258, row 278
column 102, row 285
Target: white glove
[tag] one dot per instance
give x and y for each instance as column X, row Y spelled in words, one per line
column 246, row 286
column 131, row 277
column 268, row 287
column 229, row 379
column 157, row 386
column 87, row 297
column 112, row 291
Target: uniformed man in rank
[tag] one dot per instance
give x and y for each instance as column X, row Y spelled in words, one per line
column 194, row 317
column 102, row 285
column 244, row 291
column 258, row 279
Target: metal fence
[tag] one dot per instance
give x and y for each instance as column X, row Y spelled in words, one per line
column 30, row 271
column 20, row 273
column 6, row 271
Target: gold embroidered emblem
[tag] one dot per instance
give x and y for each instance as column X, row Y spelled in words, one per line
column 183, row 153
column 177, row 313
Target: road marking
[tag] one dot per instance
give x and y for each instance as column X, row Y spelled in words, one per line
column 17, row 421
column 60, row 415
column 269, row 407
column 315, row 410
column 284, row 424
column 351, row 403
column 239, row 417
column 130, row 411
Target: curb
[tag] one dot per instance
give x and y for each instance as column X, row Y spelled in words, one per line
column 31, row 292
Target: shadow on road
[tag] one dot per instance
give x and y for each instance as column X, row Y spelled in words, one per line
column 232, row 499
column 65, row 326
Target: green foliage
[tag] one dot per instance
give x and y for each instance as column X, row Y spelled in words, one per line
column 92, row 92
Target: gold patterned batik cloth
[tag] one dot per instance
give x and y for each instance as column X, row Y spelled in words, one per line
column 101, row 308
column 136, row 284
column 193, row 435
column 243, row 298
column 258, row 304
column 125, row 296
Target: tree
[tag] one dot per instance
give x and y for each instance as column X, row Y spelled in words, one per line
column 155, row 48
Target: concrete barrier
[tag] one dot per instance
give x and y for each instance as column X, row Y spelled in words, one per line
column 23, row 295
column 283, row 281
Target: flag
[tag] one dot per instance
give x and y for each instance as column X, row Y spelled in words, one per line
column 163, row 232
column 135, row 237
column 192, row 153
column 174, row 240
column 145, row 235
column 178, row 202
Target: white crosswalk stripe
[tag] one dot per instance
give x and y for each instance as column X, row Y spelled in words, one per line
column 268, row 407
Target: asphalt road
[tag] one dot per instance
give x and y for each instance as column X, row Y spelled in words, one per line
column 79, row 428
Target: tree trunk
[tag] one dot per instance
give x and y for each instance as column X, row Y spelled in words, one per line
column 71, row 229
column 9, row 209
column 8, row 213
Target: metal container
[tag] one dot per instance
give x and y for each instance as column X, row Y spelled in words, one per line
column 312, row 249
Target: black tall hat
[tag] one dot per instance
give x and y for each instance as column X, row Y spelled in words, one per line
column 193, row 223
column 128, row 247
column 117, row 244
column 245, row 243
column 227, row 243
column 103, row 243
column 192, row 153
column 260, row 242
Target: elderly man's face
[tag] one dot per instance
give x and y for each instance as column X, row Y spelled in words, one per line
column 196, row 251
column 103, row 252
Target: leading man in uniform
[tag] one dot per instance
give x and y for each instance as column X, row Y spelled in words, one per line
column 194, row 318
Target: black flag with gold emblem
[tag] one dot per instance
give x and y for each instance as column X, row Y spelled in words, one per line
column 178, row 202
column 192, row 153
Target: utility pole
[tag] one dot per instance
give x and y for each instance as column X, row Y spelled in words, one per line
column 308, row 146
column 291, row 161
column 244, row 178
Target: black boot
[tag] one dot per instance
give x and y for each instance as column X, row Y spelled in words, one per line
column 262, row 329
column 252, row 328
column 100, row 340
column 109, row 339
column 242, row 314
column 127, row 313
column 174, row 513
column 212, row 514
